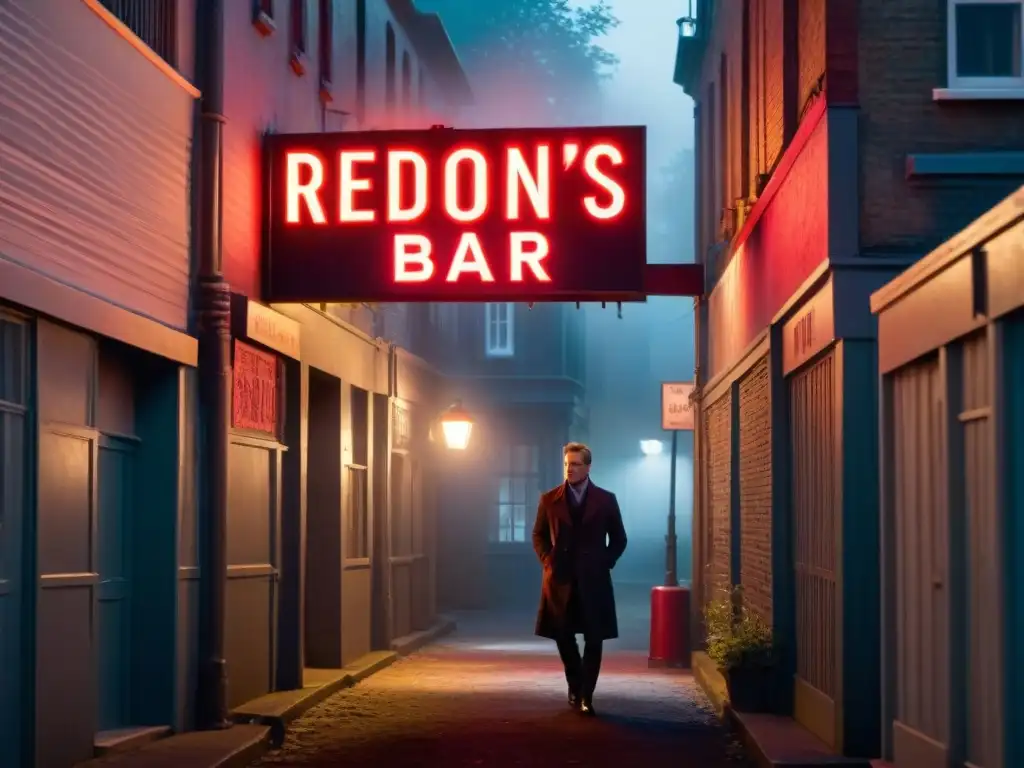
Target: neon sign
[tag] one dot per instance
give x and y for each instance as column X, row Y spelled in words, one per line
column 529, row 215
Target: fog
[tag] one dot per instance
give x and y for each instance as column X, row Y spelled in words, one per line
column 628, row 358
column 630, row 349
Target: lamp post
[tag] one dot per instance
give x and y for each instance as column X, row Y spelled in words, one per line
column 671, row 562
column 688, row 24
column 670, row 603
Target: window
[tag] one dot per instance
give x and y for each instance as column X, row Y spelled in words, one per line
column 154, row 22
column 356, row 536
column 406, row 80
column 401, row 506
column 361, row 59
column 357, row 531
column 984, row 44
column 298, row 28
column 499, row 329
column 724, row 177
column 326, row 51
column 263, row 9
column 390, row 62
column 518, row 490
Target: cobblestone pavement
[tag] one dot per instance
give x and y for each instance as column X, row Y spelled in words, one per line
column 492, row 695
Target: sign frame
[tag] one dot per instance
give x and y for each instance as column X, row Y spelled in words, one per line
column 682, row 421
column 337, row 260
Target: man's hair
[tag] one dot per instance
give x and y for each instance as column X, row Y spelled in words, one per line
column 581, row 449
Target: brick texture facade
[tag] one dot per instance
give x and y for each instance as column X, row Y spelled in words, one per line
column 719, row 437
column 902, row 58
column 755, row 481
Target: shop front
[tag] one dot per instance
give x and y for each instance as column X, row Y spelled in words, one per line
column 94, row 429
column 263, row 341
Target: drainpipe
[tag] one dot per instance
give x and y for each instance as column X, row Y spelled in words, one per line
column 213, row 309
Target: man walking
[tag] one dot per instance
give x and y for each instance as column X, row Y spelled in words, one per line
column 578, row 537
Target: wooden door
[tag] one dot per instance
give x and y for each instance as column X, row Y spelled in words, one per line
column 113, row 592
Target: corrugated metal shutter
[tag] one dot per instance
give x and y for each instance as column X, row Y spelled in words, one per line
column 94, row 193
column 812, row 414
column 921, row 509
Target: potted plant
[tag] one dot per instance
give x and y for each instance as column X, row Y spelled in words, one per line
column 742, row 645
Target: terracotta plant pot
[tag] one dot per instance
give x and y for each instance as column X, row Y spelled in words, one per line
column 752, row 689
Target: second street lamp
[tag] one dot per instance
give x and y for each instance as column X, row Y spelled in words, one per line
column 456, row 427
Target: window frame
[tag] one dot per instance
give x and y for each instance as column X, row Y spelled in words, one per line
column 298, row 36
column 492, row 322
column 357, row 537
column 263, row 17
column 513, row 474
column 325, row 43
column 955, row 82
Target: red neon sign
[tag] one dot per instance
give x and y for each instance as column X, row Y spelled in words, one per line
column 461, row 215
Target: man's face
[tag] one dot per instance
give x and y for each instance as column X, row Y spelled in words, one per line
column 575, row 470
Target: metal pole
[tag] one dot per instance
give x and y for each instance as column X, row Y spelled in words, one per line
column 213, row 301
column 671, row 575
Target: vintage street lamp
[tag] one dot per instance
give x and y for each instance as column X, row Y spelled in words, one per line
column 688, row 24
column 456, row 426
column 651, row 447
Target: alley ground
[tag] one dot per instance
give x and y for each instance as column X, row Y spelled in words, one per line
column 493, row 695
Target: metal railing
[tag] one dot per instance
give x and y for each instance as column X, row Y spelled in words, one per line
column 155, row 22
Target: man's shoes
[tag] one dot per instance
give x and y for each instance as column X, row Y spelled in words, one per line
column 574, row 700
column 587, row 707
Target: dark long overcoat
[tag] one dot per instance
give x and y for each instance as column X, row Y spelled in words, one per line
column 584, row 554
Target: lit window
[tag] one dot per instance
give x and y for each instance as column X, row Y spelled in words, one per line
column 985, row 43
column 517, row 492
column 499, row 330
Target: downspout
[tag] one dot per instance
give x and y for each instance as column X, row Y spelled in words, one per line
column 213, row 310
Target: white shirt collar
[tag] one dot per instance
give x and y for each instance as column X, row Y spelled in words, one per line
column 578, row 492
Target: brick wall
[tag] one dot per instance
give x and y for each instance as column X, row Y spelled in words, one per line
column 719, row 479
column 772, row 135
column 759, row 62
column 262, row 93
column 902, row 57
column 755, row 469
column 811, row 51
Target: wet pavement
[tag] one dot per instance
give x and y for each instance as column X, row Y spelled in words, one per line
column 494, row 695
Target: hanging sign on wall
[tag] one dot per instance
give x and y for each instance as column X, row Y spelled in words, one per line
column 255, row 397
column 542, row 214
